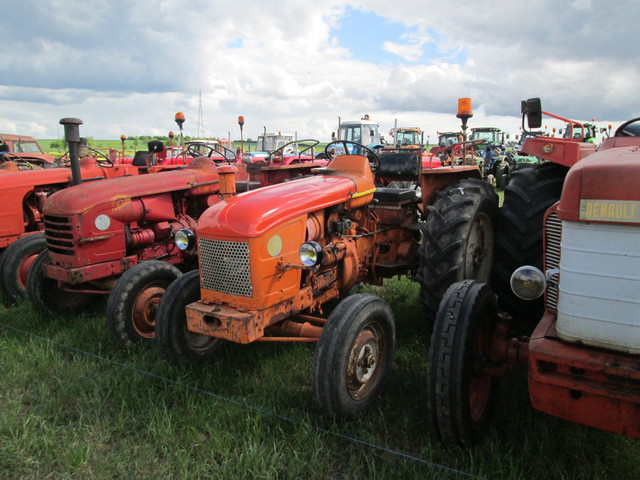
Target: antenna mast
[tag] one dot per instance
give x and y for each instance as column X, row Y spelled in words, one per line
column 200, row 118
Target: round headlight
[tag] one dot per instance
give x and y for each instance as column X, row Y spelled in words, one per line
column 528, row 282
column 310, row 254
column 184, row 239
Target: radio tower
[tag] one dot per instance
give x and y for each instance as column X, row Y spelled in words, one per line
column 200, row 118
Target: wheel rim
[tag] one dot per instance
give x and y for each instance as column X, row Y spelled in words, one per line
column 24, row 270
column 365, row 362
column 144, row 311
column 480, row 383
column 198, row 343
column 479, row 249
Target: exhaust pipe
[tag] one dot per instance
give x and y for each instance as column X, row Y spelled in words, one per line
column 72, row 136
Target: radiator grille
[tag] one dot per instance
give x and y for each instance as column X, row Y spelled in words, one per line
column 224, row 266
column 553, row 235
column 58, row 233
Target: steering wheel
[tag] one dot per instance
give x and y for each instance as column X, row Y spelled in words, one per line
column 194, row 152
column 279, row 152
column 372, row 155
column 107, row 162
column 628, row 129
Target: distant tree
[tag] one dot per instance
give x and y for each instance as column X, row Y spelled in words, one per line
column 58, row 145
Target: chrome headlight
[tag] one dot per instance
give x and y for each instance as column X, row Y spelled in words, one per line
column 184, row 239
column 310, row 254
column 528, row 282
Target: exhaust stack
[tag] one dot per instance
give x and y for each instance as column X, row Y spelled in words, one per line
column 72, row 136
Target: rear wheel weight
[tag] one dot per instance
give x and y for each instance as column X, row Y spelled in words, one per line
column 175, row 342
column 133, row 302
column 354, row 355
column 460, row 395
column 17, row 260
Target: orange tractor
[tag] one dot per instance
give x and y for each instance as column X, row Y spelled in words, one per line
column 583, row 355
column 270, row 259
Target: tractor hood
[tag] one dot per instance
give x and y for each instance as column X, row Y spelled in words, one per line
column 254, row 213
column 31, row 178
column 604, row 186
column 81, row 198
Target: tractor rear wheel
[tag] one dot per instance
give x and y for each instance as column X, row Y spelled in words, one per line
column 16, row 262
column 459, row 393
column 134, row 300
column 458, row 239
column 530, row 192
column 175, row 342
column 354, row 354
column 45, row 294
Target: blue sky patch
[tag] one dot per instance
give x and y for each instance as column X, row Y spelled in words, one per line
column 364, row 35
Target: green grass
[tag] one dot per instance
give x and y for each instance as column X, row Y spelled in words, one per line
column 73, row 405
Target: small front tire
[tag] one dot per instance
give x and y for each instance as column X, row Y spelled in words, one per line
column 133, row 302
column 17, row 260
column 45, row 294
column 354, row 355
column 460, row 391
column 175, row 342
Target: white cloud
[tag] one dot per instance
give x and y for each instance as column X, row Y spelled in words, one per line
column 127, row 67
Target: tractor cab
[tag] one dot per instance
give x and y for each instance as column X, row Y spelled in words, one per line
column 363, row 131
column 267, row 144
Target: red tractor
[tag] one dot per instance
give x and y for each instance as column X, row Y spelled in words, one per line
column 583, row 356
column 116, row 238
column 270, row 259
column 22, row 196
column 25, row 151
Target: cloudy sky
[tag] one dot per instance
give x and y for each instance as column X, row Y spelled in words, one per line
column 126, row 67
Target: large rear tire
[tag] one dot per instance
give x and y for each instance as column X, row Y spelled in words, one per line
column 175, row 342
column 458, row 239
column 530, row 192
column 16, row 262
column 460, row 395
column 45, row 294
column 134, row 300
column 354, row 354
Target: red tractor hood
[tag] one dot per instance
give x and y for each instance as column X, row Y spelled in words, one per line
column 605, row 186
column 252, row 214
column 81, row 198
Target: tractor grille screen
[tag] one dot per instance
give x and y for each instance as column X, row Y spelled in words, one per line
column 224, row 267
column 553, row 235
column 59, row 234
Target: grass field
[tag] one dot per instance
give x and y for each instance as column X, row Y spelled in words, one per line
column 73, row 405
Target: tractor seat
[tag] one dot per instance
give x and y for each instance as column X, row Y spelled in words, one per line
column 245, row 186
column 399, row 165
column 395, row 196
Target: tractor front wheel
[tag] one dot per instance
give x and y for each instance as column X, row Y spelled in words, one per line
column 460, row 391
column 134, row 300
column 45, row 294
column 175, row 342
column 354, row 354
column 17, row 260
